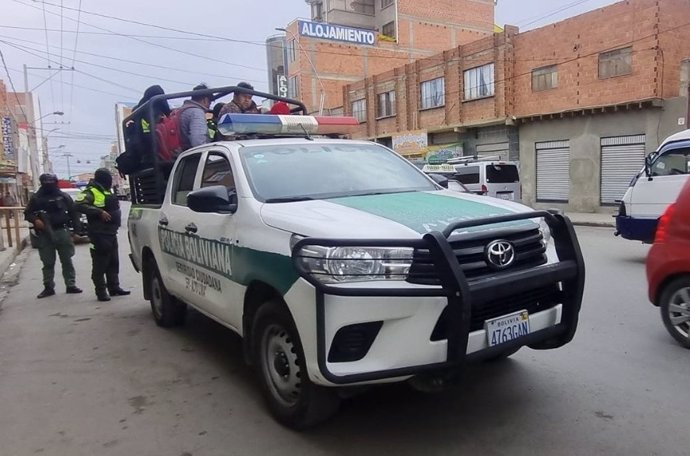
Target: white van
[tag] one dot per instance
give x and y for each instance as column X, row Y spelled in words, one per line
column 500, row 179
column 654, row 188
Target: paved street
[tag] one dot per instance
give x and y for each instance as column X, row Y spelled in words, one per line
column 78, row 377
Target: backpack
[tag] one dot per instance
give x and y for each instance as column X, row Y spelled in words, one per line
column 169, row 135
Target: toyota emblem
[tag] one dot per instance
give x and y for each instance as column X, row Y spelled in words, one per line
column 500, row 254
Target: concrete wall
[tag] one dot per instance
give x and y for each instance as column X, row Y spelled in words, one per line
column 585, row 135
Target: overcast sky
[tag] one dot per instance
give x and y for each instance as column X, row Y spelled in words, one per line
column 88, row 94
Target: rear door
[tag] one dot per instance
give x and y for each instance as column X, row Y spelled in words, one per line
column 173, row 233
column 503, row 181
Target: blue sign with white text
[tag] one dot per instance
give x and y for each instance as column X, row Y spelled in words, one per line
column 337, row 33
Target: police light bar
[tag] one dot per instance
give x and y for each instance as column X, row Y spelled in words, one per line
column 268, row 124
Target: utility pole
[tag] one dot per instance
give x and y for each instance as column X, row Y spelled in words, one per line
column 69, row 170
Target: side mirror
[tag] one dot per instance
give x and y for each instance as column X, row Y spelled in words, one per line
column 439, row 179
column 217, row 198
column 648, row 166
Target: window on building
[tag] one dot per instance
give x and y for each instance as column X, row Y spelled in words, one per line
column 615, row 63
column 293, row 87
column 545, row 78
column 479, row 82
column 433, row 93
column 291, row 50
column 386, row 3
column 359, row 110
column 362, row 6
column 388, row 29
column 317, row 11
column 386, row 104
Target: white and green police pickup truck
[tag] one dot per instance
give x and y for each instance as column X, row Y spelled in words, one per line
column 341, row 264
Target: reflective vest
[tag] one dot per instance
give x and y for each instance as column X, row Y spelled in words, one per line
column 145, row 127
column 99, row 197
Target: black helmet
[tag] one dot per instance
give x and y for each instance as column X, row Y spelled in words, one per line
column 245, row 85
column 103, row 177
column 47, row 178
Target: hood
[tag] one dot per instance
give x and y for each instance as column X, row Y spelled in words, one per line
column 398, row 215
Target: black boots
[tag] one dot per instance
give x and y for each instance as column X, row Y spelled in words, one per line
column 45, row 293
column 119, row 292
column 74, row 290
column 102, row 296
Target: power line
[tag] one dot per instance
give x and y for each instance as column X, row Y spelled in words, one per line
column 45, row 27
column 82, row 32
column 134, row 62
column 535, row 19
column 14, row 89
column 74, row 55
column 119, row 95
column 144, row 41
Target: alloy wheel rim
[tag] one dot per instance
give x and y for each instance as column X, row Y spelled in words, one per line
column 679, row 311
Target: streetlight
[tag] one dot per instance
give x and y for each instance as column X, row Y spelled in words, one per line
column 55, row 113
column 316, row 74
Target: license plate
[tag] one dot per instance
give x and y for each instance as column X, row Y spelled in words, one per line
column 507, row 328
column 505, row 196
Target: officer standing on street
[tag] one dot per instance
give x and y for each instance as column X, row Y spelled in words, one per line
column 102, row 209
column 51, row 211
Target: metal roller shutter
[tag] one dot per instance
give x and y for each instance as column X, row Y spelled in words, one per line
column 622, row 157
column 553, row 171
column 496, row 149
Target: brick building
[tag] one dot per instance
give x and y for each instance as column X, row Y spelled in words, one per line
column 578, row 102
column 346, row 41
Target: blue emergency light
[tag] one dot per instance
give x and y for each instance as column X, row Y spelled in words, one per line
column 268, row 124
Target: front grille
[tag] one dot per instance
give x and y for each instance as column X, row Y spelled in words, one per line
column 533, row 301
column 530, row 251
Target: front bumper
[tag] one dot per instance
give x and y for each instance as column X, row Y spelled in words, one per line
column 405, row 346
column 636, row 229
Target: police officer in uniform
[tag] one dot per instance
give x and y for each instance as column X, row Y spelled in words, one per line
column 102, row 209
column 51, row 212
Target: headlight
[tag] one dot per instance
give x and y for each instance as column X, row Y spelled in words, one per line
column 545, row 231
column 355, row 264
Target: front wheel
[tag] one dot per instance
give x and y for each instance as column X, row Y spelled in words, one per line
column 675, row 309
column 167, row 311
column 292, row 398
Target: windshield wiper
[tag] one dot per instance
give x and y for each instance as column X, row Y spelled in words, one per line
column 290, row 199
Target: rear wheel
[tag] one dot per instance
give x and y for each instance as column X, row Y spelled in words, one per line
column 292, row 398
column 675, row 309
column 167, row 310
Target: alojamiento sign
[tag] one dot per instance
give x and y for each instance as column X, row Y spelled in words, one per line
column 337, row 33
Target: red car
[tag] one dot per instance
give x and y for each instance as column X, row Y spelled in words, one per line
column 668, row 268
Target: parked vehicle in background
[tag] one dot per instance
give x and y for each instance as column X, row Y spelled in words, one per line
column 487, row 176
column 668, row 268
column 654, row 188
column 80, row 232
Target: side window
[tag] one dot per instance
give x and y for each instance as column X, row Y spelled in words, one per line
column 672, row 162
column 184, row 179
column 217, row 171
column 467, row 174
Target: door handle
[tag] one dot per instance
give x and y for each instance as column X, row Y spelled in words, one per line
column 163, row 221
column 191, row 228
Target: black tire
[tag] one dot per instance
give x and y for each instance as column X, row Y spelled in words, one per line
column 503, row 355
column 675, row 309
column 292, row 398
column 167, row 311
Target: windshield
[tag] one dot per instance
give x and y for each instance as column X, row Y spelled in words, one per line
column 315, row 171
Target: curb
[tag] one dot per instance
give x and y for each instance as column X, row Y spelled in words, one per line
column 7, row 262
column 595, row 224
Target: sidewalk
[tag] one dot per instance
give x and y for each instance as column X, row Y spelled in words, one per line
column 589, row 219
column 9, row 254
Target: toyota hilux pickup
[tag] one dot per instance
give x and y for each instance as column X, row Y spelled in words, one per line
column 342, row 265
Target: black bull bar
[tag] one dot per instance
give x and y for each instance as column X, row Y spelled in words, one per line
column 462, row 293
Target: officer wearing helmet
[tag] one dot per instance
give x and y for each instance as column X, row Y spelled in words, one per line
column 51, row 212
column 102, row 209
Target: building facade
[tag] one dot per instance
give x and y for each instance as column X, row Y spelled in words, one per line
column 346, row 41
column 579, row 103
